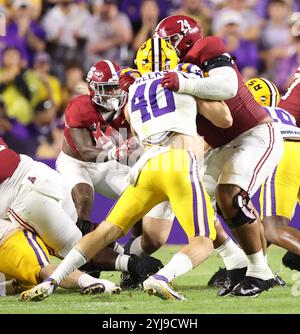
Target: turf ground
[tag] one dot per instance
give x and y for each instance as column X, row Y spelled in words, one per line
column 200, row 299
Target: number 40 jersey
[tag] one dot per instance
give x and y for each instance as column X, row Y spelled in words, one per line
column 286, row 121
column 156, row 111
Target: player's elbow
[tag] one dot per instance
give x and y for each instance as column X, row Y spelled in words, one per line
column 230, row 85
column 227, row 82
column 230, row 90
column 226, row 121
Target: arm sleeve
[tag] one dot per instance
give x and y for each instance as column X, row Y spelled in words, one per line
column 221, row 84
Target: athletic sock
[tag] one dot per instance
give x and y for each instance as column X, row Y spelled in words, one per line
column 118, row 248
column 136, row 247
column 178, row 265
column 257, row 266
column 121, row 263
column 232, row 255
column 72, row 261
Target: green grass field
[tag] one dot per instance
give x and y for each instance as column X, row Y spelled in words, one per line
column 200, row 299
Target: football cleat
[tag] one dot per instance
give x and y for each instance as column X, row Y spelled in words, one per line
column 40, row 291
column 291, row 261
column 252, row 287
column 234, row 277
column 142, row 267
column 11, row 287
column 128, row 282
column 158, row 285
column 218, row 278
column 102, row 287
column 139, row 269
column 279, row 281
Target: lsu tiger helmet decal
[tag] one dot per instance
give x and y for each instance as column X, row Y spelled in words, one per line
column 264, row 91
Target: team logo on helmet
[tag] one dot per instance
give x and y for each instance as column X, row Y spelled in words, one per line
column 181, row 31
column 156, row 55
column 264, row 91
column 103, row 83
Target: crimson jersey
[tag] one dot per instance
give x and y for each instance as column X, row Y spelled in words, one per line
column 81, row 112
column 245, row 111
column 9, row 161
column 291, row 100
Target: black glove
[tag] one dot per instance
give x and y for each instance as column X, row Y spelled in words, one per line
column 85, row 226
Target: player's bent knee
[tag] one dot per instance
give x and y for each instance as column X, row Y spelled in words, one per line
column 151, row 245
column 244, row 214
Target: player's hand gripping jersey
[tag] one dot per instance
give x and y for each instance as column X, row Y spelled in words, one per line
column 286, row 121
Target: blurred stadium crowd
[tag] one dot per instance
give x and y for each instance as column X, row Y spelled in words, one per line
column 46, row 47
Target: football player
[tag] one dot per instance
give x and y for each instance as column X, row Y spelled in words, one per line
column 278, row 193
column 31, row 193
column 290, row 102
column 96, row 134
column 166, row 171
column 243, row 155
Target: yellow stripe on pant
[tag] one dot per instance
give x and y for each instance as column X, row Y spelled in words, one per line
column 281, row 190
column 22, row 256
column 169, row 176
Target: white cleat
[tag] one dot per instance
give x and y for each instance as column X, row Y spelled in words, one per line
column 157, row 285
column 39, row 292
column 101, row 287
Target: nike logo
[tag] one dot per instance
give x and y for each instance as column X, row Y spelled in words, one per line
column 252, row 291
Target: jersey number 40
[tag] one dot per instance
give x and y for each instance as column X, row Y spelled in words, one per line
column 148, row 103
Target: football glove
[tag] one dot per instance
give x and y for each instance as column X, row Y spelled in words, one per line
column 127, row 76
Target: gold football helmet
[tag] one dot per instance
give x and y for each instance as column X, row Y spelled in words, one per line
column 154, row 55
column 264, row 91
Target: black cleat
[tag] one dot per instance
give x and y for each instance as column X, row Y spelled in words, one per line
column 234, row 277
column 139, row 269
column 218, row 278
column 279, row 281
column 129, row 283
column 252, row 287
column 291, row 261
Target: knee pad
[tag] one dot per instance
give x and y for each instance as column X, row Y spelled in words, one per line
column 244, row 215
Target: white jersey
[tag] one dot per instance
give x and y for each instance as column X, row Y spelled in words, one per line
column 286, row 122
column 156, row 111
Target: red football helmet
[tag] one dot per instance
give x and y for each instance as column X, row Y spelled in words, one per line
column 103, row 83
column 182, row 31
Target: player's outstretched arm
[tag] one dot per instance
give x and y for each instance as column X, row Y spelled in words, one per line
column 221, row 84
column 215, row 111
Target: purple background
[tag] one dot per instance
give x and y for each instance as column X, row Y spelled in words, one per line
column 102, row 205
